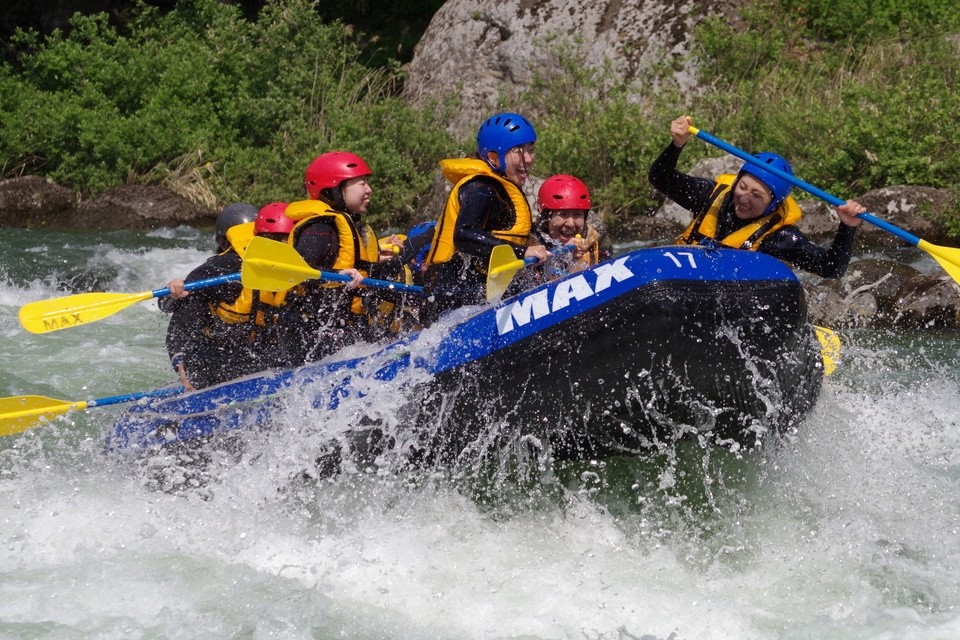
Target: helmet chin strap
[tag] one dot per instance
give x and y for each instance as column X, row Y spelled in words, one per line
column 333, row 196
column 501, row 170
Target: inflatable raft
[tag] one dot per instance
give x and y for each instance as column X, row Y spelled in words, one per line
column 644, row 348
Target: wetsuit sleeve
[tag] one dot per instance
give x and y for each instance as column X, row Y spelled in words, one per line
column 693, row 194
column 482, row 207
column 215, row 266
column 413, row 246
column 386, row 270
column 189, row 314
column 791, row 246
column 186, row 319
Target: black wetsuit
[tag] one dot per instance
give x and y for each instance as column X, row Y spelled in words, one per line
column 213, row 351
column 787, row 243
column 485, row 206
column 321, row 319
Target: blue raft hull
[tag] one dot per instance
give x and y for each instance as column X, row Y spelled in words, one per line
column 644, row 348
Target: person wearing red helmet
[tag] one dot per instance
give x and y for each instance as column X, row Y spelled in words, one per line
column 564, row 203
column 331, row 235
column 485, row 208
column 272, row 222
column 223, row 332
column 751, row 210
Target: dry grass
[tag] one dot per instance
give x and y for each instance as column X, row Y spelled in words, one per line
column 189, row 176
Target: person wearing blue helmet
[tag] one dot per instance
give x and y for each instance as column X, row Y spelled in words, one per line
column 485, row 208
column 751, row 210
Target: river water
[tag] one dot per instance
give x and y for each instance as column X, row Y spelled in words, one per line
column 849, row 528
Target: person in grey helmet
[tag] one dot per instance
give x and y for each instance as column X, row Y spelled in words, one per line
column 232, row 215
column 225, row 331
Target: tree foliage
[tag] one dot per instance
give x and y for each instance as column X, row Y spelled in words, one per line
column 852, row 113
column 256, row 100
column 857, row 94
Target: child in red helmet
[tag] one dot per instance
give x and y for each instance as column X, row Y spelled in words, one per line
column 564, row 203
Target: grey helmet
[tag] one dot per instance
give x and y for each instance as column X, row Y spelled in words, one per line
column 231, row 216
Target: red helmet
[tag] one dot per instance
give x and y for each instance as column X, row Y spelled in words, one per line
column 330, row 169
column 563, row 192
column 271, row 219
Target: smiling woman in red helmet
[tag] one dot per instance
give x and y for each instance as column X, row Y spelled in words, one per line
column 330, row 234
column 751, row 210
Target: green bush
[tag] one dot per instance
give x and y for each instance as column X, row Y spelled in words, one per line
column 865, row 20
column 850, row 116
column 603, row 129
column 258, row 100
column 857, row 95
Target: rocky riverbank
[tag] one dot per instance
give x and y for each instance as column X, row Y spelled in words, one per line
column 34, row 202
column 889, row 285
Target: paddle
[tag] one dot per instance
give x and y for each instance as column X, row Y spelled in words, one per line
column 830, row 348
column 45, row 316
column 20, row 413
column 269, row 265
column 948, row 257
column 504, row 264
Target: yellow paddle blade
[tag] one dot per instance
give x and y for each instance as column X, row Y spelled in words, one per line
column 829, row 348
column 948, row 257
column 24, row 412
column 45, row 316
column 269, row 265
column 503, row 266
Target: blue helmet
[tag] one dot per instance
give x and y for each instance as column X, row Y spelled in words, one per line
column 779, row 187
column 503, row 132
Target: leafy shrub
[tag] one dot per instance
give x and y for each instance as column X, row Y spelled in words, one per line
column 851, row 117
column 258, row 100
column 858, row 95
column 866, row 20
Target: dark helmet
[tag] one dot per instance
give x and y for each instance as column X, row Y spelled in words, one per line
column 503, row 132
column 328, row 170
column 231, row 216
column 563, row 192
column 271, row 219
column 779, row 187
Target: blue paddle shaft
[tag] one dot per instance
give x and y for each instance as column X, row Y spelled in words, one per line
column 809, row 188
column 555, row 252
column 199, row 284
column 156, row 393
column 371, row 282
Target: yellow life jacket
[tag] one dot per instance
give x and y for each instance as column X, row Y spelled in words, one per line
column 459, row 171
column 248, row 307
column 747, row 237
column 240, row 235
column 358, row 244
column 359, row 247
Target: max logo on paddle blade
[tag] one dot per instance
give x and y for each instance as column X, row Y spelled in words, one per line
column 61, row 322
column 539, row 304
